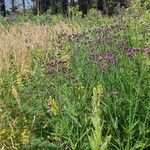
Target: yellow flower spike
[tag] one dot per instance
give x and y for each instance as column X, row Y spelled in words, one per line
column 67, row 47
column 66, row 58
column 19, row 80
column 95, row 139
column 15, row 121
column 97, row 92
column 81, row 87
column 53, row 106
column 16, row 96
column 3, row 132
column 25, row 136
column 25, row 120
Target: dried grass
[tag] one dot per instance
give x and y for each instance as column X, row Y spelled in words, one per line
column 19, row 42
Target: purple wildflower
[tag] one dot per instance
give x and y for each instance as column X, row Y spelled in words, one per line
column 147, row 50
column 130, row 52
column 135, row 49
column 109, row 56
column 130, row 1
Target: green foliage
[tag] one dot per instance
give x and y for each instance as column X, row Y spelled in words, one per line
column 95, row 139
column 58, row 103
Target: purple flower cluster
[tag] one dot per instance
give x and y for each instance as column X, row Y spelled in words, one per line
column 130, row 52
column 56, row 65
column 104, row 60
column 130, row 1
column 109, row 56
column 147, row 50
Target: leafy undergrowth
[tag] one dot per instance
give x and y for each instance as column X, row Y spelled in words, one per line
column 76, row 83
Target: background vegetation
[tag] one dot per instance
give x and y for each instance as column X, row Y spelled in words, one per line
column 107, row 7
column 76, row 83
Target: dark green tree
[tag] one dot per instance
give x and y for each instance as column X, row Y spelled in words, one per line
column 102, row 6
column 54, row 7
column 72, row 2
column 64, row 7
column 83, row 6
column 13, row 8
column 2, row 8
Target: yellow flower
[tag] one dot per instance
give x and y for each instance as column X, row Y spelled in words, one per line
column 25, row 136
column 52, row 106
column 80, row 87
column 3, row 132
column 16, row 96
column 66, row 58
column 25, row 120
column 97, row 92
column 67, row 47
column 19, row 80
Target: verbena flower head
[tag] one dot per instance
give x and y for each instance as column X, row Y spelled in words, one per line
column 130, row 52
column 147, row 50
column 109, row 56
column 130, row 1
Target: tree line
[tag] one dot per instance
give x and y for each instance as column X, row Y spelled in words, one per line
column 62, row 6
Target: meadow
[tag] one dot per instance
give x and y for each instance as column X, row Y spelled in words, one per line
column 75, row 83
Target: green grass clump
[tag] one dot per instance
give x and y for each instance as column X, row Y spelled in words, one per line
column 50, row 70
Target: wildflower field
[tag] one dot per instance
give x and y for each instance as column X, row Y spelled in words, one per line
column 76, row 83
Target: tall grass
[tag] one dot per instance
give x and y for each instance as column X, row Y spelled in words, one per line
column 49, row 74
